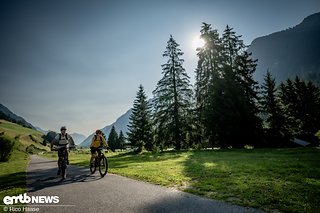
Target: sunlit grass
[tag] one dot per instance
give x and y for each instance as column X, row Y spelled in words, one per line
column 13, row 175
column 269, row 179
column 23, row 134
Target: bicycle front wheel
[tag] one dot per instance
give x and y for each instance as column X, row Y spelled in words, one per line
column 103, row 166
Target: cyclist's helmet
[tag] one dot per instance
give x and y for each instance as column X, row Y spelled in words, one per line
column 63, row 128
column 98, row 131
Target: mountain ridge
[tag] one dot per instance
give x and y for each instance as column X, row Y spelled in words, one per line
column 290, row 52
column 7, row 114
column 120, row 125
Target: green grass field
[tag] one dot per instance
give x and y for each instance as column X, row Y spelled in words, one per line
column 286, row 180
column 13, row 172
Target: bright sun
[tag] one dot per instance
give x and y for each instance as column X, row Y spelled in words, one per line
column 197, row 42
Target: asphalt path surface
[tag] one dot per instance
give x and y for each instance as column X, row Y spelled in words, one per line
column 84, row 192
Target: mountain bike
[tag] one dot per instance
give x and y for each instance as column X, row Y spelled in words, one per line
column 101, row 162
column 62, row 161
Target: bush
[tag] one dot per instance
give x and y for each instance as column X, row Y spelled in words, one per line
column 318, row 136
column 32, row 149
column 6, row 148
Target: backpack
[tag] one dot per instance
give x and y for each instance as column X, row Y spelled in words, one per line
column 67, row 139
column 61, row 135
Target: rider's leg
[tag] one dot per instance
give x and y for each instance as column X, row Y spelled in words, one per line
column 99, row 154
column 67, row 156
column 60, row 153
column 93, row 154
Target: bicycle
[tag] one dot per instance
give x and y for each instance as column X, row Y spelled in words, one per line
column 62, row 161
column 100, row 161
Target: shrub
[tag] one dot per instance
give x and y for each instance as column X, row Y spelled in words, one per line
column 6, row 148
column 32, row 149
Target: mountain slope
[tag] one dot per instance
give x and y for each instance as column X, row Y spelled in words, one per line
column 6, row 114
column 291, row 52
column 25, row 135
column 78, row 138
column 120, row 125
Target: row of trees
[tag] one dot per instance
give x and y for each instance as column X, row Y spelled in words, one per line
column 227, row 107
column 116, row 141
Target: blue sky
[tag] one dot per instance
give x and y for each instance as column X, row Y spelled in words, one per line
column 79, row 63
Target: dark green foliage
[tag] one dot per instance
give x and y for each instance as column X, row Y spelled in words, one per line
column 276, row 131
column 49, row 137
column 113, row 139
column 226, row 93
column 172, row 100
column 6, row 148
column 301, row 103
column 140, row 124
column 121, row 141
column 32, row 149
column 207, row 73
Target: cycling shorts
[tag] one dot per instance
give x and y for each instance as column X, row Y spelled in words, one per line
column 95, row 149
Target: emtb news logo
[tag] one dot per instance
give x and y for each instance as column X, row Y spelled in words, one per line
column 24, row 198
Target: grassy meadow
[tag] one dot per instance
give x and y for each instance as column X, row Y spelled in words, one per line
column 285, row 180
column 13, row 172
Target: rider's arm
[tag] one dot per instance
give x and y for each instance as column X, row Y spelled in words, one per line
column 104, row 142
column 71, row 141
column 92, row 140
column 55, row 139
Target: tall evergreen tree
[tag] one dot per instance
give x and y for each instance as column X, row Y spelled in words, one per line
column 140, row 124
column 207, row 72
column 121, row 141
column 301, row 103
column 277, row 134
column 113, row 139
column 232, row 113
column 172, row 99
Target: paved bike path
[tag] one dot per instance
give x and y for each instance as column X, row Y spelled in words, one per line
column 83, row 192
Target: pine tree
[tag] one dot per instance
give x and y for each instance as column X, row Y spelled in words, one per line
column 233, row 46
column 172, row 99
column 140, row 124
column 121, row 141
column 301, row 102
column 113, row 139
column 277, row 134
column 232, row 112
column 207, row 72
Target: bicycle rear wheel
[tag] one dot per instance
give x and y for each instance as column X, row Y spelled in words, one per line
column 63, row 168
column 93, row 166
column 103, row 166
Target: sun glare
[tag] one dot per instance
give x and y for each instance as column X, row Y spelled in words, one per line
column 197, row 42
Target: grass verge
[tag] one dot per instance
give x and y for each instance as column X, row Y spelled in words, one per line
column 285, row 180
column 13, row 175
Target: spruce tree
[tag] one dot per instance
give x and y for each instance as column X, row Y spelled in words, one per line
column 172, row 99
column 121, row 141
column 276, row 134
column 113, row 139
column 301, row 101
column 232, row 112
column 140, row 124
column 207, row 72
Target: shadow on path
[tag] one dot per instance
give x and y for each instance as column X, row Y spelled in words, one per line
column 43, row 174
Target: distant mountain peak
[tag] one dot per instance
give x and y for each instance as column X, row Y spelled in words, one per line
column 121, row 124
